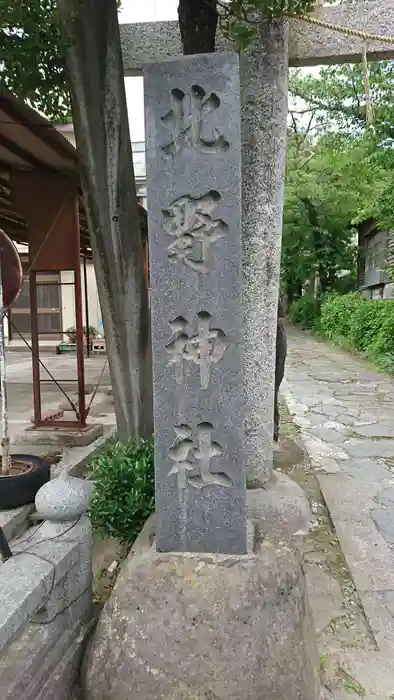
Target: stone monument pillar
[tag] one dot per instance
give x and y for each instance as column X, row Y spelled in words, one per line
column 193, row 155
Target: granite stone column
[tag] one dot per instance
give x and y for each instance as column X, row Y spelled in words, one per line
column 264, row 100
column 193, row 120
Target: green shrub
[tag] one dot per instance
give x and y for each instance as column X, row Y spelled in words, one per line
column 336, row 315
column 363, row 324
column 383, row 340
column 123, row 495
column 305, row 312
column 385, row 362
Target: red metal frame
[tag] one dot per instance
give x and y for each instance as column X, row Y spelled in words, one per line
column 79, row 327
column 51, row 261
column 85, row 281
column 35, row 351
column 81, row 413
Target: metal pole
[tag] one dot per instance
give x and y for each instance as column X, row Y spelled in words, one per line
column 79, row 325
column 85, row 281
column 35, row 350
column 5, row 440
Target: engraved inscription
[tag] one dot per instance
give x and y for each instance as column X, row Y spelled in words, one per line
column 204, row 348
column 189, row 122
column 179, row 453
column 191, row 223
column 189, row 456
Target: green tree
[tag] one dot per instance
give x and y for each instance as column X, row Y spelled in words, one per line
column 336, row 99
column 331, row 181
column 32, row 52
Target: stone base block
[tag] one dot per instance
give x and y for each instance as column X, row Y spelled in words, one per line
column 279, row 509
column 61, row 437
column 200, row 627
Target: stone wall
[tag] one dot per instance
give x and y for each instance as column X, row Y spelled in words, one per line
column 46, row 598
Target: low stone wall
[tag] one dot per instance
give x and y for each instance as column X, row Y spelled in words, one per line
column 46, row 597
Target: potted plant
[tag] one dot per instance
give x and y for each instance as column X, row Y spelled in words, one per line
column 21, row 476
column 71, row 334
column 88, row 331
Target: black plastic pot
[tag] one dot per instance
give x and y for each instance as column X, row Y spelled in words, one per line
column 20, row 490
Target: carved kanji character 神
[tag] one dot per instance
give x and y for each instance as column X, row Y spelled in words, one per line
column 205, row 347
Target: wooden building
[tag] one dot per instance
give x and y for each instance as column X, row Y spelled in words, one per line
column 375, row 253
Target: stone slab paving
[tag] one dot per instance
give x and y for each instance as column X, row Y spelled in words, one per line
column 345, row 413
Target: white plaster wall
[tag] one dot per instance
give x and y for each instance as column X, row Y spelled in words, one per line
column 68, row 132
column 21, row 249
column 68, row 298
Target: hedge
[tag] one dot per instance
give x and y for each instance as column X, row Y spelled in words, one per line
column 362, row 324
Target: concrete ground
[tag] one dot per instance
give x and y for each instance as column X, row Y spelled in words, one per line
column 63, row 368
column 341, row 417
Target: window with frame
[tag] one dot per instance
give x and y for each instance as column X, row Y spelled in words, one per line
column 376, row 250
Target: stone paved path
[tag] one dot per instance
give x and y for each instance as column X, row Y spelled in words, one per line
column 345, row 413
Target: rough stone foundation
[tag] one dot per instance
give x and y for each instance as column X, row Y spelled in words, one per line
column 193, row 627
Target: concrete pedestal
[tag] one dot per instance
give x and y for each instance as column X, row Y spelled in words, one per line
column 61, row 437
column 199, row 627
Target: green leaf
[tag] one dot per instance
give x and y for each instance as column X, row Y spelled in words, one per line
column 33, row 45
column 123, row 495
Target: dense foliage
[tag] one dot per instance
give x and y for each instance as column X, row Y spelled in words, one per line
column 335, row 100
column 32, row 51
column 240, row 18
column 340, row 171
column 361, row 324
column 32, row 56
column 123, row 494
column 330, row 181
